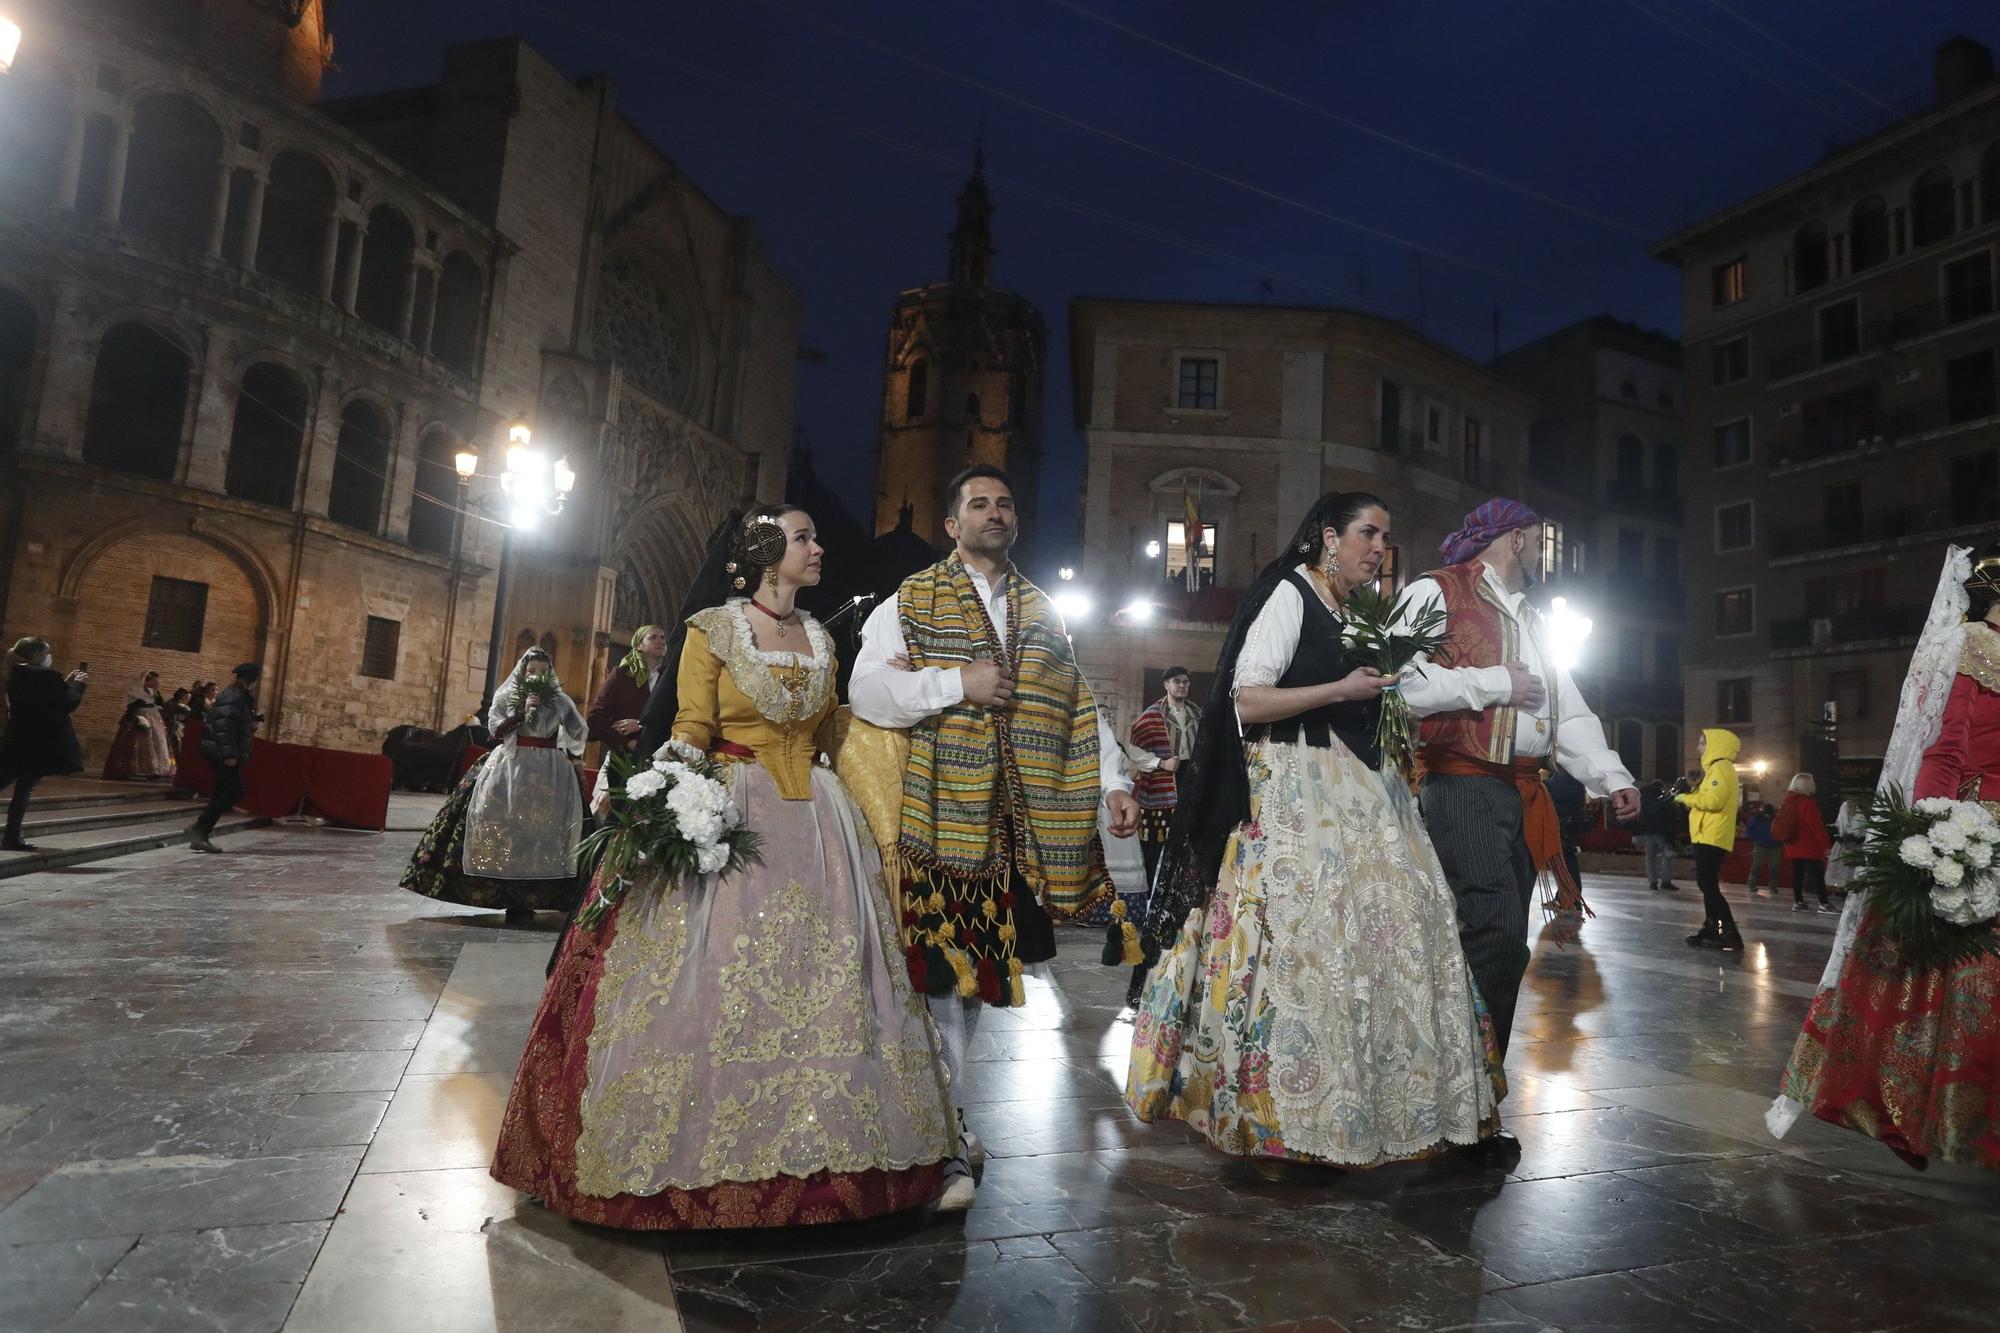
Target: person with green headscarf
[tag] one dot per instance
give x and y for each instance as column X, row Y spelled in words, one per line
column 614, row 713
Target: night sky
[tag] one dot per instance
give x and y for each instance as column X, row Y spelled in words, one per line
column 1637, row 116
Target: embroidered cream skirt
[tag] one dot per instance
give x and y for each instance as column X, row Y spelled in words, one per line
column 745, row 1051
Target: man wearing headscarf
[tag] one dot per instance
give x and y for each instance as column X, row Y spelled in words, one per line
column 614, row 716
column 1498, row 713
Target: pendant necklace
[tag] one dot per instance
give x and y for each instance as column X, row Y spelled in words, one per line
column 783, row 623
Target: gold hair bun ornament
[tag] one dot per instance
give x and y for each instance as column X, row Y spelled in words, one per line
column 763, row 541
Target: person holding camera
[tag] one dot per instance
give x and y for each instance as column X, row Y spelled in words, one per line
column 41, row 740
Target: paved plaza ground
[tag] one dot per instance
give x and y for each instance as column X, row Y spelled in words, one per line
column 259, row 1091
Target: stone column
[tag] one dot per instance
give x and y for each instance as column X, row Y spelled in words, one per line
column 426, row 310
column 214, row 418
column 218, row 222
column 253, row 219
column 329, row 256
column 350, row 287
column 322, row 442
column 402, row 481
column 406, row 318
column 72, row 160
column 114, row 175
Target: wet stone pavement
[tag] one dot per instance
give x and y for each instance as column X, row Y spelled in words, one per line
column 259, row 1091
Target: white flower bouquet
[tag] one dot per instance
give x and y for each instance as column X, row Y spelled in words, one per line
column 674, row 816
column 1933, row 872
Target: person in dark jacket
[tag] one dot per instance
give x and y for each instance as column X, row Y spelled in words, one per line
column 1654, row 831
column 614, row 714
column 41, row 741
column 225, row 743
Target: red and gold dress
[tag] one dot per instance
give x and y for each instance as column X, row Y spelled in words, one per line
column 1911, row 1055
column 745, row 1050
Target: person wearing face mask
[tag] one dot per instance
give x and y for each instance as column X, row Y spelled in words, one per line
column 1497, row 714
column 41, row 741
column 1311, row 1003
column 1009, row 760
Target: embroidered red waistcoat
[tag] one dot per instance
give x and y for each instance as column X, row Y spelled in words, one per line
column 1478, row 634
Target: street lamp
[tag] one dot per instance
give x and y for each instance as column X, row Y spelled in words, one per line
column 1066, row 573
column 535, row 489
column 1569, row 630
column 10, row 42
column 1152, row 550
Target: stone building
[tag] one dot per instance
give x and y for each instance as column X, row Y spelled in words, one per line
column 1841, row 329
column 244, row 333
column 962, row 381
column 1605, row 459
column 1252, row 411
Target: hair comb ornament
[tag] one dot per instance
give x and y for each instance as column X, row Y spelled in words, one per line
column 1986, row 574
column 763, row 541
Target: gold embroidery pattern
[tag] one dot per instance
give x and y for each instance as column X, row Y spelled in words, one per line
column 789, row 1114
column 663, row 1086
column 635, row 986
column 1980, row 657
column 785, row 687
column 793, row 992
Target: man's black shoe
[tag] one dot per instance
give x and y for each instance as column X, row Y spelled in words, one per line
column 1732, row 943
column 16, row 845
column 1701, row 937
column 1499, row 1151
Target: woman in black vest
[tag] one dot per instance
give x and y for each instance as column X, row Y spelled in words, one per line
column 1311, row 1003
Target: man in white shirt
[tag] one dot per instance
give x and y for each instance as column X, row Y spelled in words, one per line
column 1497, row 712
column 993, row 849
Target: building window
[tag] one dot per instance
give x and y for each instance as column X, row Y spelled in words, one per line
column 1850, row 695
column 1667, row 559
column 1732, row 443
column 1632, row 745
column 1975, row 489
column 175, row 612
column 1389, row 579
column 1390, row 429
column 1968, row 387
column 269, row 434
column 1631, row 553
column 1968, row 287
column 1667, row 659
column 1632, row 653
column 1868, row 228
column 1933, row 210
column 1732, row 700
column 138, row 395
column 1573, row 557
column 1200, row 382
column 1844, row 594
column 1809, row 257
column 378, row 649
column 1731, row 360
column 972, row 409
column 1735, row 526
column 917, row 393
column 1666, row 752
column 1475, row 442
column 1664, row 401
column 1552, row 549
column 1839, row 331
column 1729, row 281
column 1735, row 611
column 1841, row 514
column 1434, row 425
column 360, row 468
column 1177, row 555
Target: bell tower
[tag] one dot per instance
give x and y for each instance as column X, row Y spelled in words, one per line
column 962, row 379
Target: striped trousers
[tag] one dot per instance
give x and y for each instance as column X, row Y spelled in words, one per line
column 1475, row 825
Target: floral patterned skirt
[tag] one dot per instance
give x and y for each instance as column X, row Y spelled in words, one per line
column 1320, row 1008
column 437, row 867
column 1907, row 1055
column 742, row 1052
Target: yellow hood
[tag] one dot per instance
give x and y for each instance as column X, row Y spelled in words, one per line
column 1722, row 744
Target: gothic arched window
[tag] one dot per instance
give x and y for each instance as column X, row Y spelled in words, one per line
column 360, row 468
column 916, row 395
column 264, row 443
column 138, row 396
column 641, row 328
column 298, row 206
column 385, row 267
column 1868, row 225
column 1933, row 210
column 175, row 153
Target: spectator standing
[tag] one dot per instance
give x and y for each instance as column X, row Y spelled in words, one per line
column 613, row 718
column 230, row 722
column 1653, row 830
column 1712, row 828
column 1804, row 834
column 175, row 713
column 41, row 741
column 1767, row 852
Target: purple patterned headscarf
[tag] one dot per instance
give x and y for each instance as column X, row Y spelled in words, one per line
column 1483, row 525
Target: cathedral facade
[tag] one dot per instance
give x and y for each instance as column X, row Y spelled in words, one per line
column 244, row 332
column 963, row 381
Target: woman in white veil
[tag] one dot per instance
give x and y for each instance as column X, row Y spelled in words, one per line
column 507, row 836
column 1935, row 668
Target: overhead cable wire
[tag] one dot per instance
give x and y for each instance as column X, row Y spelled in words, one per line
column 1782, row 44
column 1348, row 122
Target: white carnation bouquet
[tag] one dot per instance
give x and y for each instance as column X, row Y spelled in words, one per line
column 1932, row 870
column 673, row 816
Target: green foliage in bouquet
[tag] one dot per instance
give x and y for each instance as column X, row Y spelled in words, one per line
column 540, row 683
column 673, row 818
column 1898, row 868
column 1374, row 637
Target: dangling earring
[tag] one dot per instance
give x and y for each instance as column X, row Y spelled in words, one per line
column 771, row 579
column 1327, row 563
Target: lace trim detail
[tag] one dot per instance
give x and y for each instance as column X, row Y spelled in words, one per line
column 1980, row 657
column 784, row 686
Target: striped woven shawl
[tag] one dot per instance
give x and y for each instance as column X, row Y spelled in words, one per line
column 984, row 783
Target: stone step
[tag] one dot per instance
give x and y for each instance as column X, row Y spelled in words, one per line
column 69, row 849
column 77, row 820
column 146, row 793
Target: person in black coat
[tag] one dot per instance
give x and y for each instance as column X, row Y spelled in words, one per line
column 225, row 743
column 41, row 741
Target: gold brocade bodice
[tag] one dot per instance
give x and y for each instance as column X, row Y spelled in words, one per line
column 772, row 703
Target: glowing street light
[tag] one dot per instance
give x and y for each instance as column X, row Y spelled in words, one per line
column 467, row 463
column 1152, row 550
column 536, row 488
column 10, row 42
column 1139, row 612
column 1073, row 604
column 1066, row 573
column 1569, row 630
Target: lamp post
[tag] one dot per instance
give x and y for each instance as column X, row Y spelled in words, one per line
column 465, row 462
column 535, row 489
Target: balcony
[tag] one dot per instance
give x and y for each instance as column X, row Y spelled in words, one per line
column 1653, row 592
column 1907, row 424
column 1960, row 307
column 1880, row 525
column 1870, row 625
column 1638, row 498
column 1871, row 337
